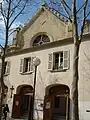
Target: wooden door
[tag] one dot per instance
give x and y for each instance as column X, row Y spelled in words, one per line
column 16, row 106
column 30, row 108
column 47, row 108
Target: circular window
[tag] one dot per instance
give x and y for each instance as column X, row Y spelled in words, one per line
column 41, row 39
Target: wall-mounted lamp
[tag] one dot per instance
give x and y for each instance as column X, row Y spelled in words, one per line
column 12, row 88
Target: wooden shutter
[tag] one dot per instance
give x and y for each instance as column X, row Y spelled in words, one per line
column 66, row 59
column 29, row 64
column 50, row 61
column 16, row 106
column 21, row 65
column 32, row 66
column 0, row 68
column 7, row 68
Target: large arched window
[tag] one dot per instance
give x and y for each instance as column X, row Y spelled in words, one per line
column 41, row 39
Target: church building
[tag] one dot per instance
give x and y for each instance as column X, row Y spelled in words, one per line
column 48, row 37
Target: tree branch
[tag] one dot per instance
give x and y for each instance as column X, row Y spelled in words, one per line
column 75, row 24
column 18, row 14
column 4, row 17
column 84, row 18
column 64, row 6
column 68, row 17
column 13, row 9
column 1, row 46
column 81, row 7
column 87, row 15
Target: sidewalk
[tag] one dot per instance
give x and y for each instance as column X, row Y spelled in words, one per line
column 15, row 119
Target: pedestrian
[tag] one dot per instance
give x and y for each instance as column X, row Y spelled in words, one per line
column 5, row 111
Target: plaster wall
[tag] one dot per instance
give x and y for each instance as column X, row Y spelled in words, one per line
column 45, row 23
column 45, row 77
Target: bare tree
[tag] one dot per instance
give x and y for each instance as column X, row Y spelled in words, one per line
column 10, row 10
column 72, row 12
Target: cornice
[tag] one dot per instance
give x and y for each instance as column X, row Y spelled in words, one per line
column 41, row 47
column 58, row 43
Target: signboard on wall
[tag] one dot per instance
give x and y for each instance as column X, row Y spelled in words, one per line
column 39, row 103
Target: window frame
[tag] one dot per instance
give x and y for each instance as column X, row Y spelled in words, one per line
column 27, row 68
column 66, row 61
column 59, row 62
column 41, row 41
column 23, row 67
column 6, row 68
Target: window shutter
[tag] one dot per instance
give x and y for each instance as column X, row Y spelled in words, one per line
column 32, row 66
column 7, row 68
column 66, row 59
column 0, row 68
column 50, row 61
column 29, row 64
column 21, row 65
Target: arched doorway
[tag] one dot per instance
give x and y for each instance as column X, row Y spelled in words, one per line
column 56, row 102
column 22, row 102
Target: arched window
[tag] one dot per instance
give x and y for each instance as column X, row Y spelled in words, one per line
column 41, row 39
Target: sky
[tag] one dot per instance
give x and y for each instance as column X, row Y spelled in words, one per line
column 30, row 12
column 21, row 20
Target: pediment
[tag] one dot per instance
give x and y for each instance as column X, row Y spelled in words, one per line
column 45, row 21
column 40, row 11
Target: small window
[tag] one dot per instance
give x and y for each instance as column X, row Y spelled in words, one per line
column 58, row 58
column 6, row 67
column 58, row 61
column 26, row 65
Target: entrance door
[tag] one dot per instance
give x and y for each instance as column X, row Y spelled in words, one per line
column 16, row 106
column 25, row 104
column 21, row 106
column 59, row 107
column 22, row 102
column 56, row 102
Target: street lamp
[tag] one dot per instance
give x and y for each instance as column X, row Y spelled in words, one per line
column 36, row 62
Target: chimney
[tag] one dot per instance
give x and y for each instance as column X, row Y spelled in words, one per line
column 15, row 36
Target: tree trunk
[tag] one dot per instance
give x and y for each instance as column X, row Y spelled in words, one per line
column 2, row 72
column 2, row 86
column 75, row 110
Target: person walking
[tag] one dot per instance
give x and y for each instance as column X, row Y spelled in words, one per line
column 5, row 111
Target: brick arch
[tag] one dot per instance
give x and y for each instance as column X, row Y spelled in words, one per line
column 24, row 89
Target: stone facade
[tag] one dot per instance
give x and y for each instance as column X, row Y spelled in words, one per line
column 45, row 22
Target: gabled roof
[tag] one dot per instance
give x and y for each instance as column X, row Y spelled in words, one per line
column 39, row 12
